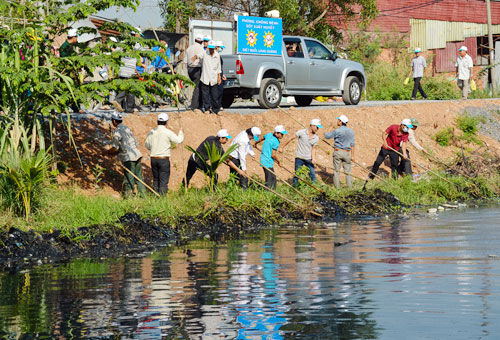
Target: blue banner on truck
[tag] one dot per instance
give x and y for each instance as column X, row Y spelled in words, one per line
column 259, row 35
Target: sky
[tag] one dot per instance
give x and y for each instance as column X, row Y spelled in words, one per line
column 147, row 11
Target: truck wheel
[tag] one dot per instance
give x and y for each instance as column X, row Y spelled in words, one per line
column 227, row 100
column 303, row 100
column 352, row 91
column 270, row 93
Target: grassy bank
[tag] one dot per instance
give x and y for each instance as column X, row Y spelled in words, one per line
column 68, row 209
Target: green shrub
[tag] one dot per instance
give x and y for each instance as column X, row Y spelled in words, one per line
column 444, row 137
column 386, row 82
column 468, row 124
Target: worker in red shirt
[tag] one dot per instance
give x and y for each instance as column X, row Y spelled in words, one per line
column 395, row 137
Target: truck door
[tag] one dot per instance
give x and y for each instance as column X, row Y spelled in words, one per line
column 324, row 73
column 297, row 66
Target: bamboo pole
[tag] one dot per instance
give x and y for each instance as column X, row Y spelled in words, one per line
column 328, row 143
column 282, row 197
column 282, row 180
column 423, row 167
column 137, row 178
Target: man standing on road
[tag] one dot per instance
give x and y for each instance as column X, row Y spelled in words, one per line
column 306, row 149
column 220, row 47
column 239, row 156
column 418, row 64
column 464, row 67
column 210, row 79
column 194, row 54
column 394, row 137
column 343, row 154
column 269, row 154
column 195, row 163
column 67, row 49
column 125, row 146
column 159, row 142
column 405, row 164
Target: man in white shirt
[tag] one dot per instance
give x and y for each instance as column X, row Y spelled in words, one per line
column 418, row 64
column 405, row 164
column 210, row 79
column 194, row 54
column 239, row 156
column 464, row 66
column 159, row 142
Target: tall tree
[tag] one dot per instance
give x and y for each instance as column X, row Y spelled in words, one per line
column 320, row 19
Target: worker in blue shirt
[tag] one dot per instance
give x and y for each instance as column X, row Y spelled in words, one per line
column 269, row 154
column 158, row 61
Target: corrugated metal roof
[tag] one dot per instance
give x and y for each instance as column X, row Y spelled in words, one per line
column 433, row 34
column 417, row 34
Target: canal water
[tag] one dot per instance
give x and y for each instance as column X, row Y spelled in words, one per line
column 417, row 278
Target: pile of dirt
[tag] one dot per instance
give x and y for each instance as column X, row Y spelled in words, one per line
column 100, row 170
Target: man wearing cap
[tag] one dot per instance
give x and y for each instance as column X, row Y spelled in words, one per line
column 220, row 47
column 197, row 164
column 67, row 49
column 405, row 165
column 343, row 153
column 210, row 79
column 269, row 154
column 125, row 146
column 418, row 64
column 464, row 67
column 394, row 137
column 159, row 142
column 194, row 54
column 206, row 42
column 239, row 156
column 307, row 139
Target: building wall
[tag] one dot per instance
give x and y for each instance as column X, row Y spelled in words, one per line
column 395, row 14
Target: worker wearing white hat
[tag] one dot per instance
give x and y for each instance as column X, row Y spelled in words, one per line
column 194, row 55
column 307, row 140
column 159, row 141
column 269, row 154
column 343, row 150
column 464, row 67
column 239, row 156
column 206, row 40
column 67, row 48
column 418, row 64
column 125, row 146
column 211, row 78
column 395, row 138
column 213, row 142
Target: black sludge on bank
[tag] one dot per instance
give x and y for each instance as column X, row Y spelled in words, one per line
column 20, row 249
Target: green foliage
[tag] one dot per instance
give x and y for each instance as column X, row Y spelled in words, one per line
column 444, row 137
column 364, row 47
column 35, row 80
column 23, row 170
column 300, row 17
column 468, row 124
column 387, row 82
column 215, row 159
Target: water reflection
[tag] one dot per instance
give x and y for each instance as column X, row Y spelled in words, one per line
column 394, row 281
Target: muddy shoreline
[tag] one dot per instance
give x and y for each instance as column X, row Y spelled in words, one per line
column 134, row 235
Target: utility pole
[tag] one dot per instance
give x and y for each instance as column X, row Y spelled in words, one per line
column 490, row 46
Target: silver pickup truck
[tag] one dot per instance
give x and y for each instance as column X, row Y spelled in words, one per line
column 306, row 69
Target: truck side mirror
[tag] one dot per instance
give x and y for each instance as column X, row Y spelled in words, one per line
column 334, row 56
